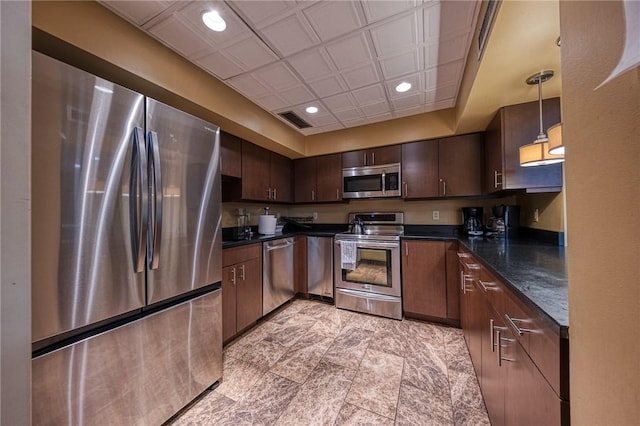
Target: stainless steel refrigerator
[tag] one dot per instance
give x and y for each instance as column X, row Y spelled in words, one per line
column 126, row 262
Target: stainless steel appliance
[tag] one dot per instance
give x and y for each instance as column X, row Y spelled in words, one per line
column 367, row 264
column 371, row 181
column 472, row 221
column 126, row 219
column 277, row 275
column 320, row 266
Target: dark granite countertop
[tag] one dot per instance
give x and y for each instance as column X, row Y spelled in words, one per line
column 537, row 271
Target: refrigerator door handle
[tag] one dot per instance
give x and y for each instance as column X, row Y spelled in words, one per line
column 155, row 187
column 138, row 200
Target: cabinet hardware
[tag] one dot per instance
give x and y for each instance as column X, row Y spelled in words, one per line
column 493, row 329
column 487, row 286
column 313, row 195
column 444, row 186
column 495, row 179
column 268, row 193
column 406, row 249
column 233, row 276
column 463, row 255
column 364, row 159
column 275, row 194
column 337, row 193
column 242, row 272
column 501, row 339
column 512, row 323
column 406, row 194
column 373, row 158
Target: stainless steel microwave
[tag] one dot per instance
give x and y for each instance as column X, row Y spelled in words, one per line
column 371, row 181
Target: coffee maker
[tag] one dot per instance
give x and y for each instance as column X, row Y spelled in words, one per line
column 472, row 221
column 505, row 222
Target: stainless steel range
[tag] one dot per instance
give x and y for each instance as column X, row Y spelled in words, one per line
column 367, row 264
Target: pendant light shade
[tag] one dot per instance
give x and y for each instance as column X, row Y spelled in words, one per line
column 555, row 140
column 537, row 152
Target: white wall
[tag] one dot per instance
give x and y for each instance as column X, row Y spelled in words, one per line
column 15, row 252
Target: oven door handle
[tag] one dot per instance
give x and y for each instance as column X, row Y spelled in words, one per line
column 374, row 245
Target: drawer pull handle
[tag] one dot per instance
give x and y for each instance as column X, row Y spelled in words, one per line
column 512, row 323
column 501, row 339
column 463, row 255
column 487, row 286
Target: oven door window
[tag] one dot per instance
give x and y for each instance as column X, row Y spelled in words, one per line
column 373, row 266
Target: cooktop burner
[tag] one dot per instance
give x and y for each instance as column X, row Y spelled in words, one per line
column 374, row 226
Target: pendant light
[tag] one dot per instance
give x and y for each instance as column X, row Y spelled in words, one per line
column 537, row 152
column 555, row 139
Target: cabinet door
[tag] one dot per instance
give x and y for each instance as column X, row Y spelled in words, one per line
column 281, row 178
column 229, row 285
column 420, row 169
column 305, row 179
column 453, row 289
column 384, row 155
column 300, row 264
column 493, row 168
column 529, row 400
column 354, row 158
column 230, row 155
column 329, row 178
column 492, row 376
column 423, row 278
column 249, row 292
column 460, row 165
column 520, row 127
column 255, row 172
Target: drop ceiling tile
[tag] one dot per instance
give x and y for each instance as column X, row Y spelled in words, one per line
column 316, row 130
column 404, row 63
column 250, row 53
column 431, row 18
column 248, row 85
column 290, row 35
column 444, row 51
column 261, row 13
column 331, row 19
column 277, row 77
column 355, row 123
column 178, row 36
column 312, row 64
column 375, row 11
column 296, row 95
column 191, row 15
column 457, row 17
column 408, row 111
column 370, row 95
column 271, row 102
column 379, row 117
column 450, row 103
column 328, row 86
column 399, row 34
column 446, row 92
column 450, row 73
column 350, row 51
column 340, row 102
column 361, row 76
column 348, row 114
column 219, row 65
column 412, row 101
column 321, row 120
column 376, row 109
column 137, row 12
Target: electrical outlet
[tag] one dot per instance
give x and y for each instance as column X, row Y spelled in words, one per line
column 536, row 215
column 315, row 215
column 436, row 215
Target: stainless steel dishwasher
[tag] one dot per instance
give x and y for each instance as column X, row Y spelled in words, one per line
column 320, row 266
column 277, row 273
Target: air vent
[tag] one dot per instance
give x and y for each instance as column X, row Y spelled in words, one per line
column 292, row 118
column 487, row 21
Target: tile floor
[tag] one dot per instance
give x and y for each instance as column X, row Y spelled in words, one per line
column 313, row 364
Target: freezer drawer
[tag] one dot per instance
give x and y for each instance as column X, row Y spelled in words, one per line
column 141, row 373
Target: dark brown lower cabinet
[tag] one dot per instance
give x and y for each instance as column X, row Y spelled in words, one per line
column 515, row 390
column 428, row 289
column 241, row 288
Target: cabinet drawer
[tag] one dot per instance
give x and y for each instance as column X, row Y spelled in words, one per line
column 235, row 255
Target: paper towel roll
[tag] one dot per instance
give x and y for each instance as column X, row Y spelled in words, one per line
column 267, row 224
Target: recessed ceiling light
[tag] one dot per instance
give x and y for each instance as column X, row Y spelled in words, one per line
column 312, row 109
column 214, row 21
column 403, row 87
